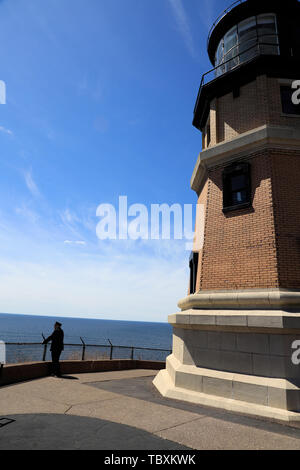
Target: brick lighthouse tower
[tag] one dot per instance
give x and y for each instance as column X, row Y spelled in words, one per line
column 235, row 339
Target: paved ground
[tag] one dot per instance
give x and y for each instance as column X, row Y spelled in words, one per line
column 122, row 410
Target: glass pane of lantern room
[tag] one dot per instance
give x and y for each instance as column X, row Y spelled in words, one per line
column 267, row 39
column 233, row 55
column 219, row 59
column 219, row 53
column 230, row 39
column 266, row 46
column 266, row 24
column 247, row 29
column 248, row 49
column 247, row 33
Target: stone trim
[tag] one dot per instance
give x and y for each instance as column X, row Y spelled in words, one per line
column 272, row 299
column 269, row 398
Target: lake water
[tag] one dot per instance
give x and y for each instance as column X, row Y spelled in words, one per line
column 29, row 328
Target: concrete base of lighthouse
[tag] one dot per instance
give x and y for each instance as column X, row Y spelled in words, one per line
column 241, row 357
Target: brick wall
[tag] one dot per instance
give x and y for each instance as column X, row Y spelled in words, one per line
column 259, row 103
column 286, row 202
column 238, row 115
column 202, row 200
column 258, row 247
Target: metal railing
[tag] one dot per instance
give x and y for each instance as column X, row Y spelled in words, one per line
column 82, row 351
column 231, row 7
column 223, row 68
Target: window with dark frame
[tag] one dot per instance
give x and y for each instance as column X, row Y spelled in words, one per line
column 236, row 187
column 193, row 271
column 288, row 107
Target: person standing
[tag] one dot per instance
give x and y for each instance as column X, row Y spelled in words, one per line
column 57, row 346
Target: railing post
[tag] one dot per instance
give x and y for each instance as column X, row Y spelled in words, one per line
column 84, row 345
column 111, row 349
column 45, row 349
column 83, row 349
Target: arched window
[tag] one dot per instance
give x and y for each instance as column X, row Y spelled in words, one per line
column 236, row 186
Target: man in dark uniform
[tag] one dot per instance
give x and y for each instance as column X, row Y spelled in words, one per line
column 57, row 346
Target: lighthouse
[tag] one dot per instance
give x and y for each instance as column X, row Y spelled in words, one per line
column 236, row 338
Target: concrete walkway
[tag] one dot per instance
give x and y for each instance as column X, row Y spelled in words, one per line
column 123, row 411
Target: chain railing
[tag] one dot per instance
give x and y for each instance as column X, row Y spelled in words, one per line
column 17, row 352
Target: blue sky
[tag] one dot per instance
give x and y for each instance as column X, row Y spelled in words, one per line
column 100, row 97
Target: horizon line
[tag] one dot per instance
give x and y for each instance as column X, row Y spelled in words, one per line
column 79, row 318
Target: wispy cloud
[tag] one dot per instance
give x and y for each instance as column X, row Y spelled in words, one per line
column 183, row 25
column 6, row 131
column 69, row 217
column 72, row 223
column 30, row 183
column 86, row 286
column 49, row 268
column 76, row 242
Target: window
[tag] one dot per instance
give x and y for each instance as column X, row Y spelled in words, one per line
column 231, row 49
column 247, row 39
column 288, row 107
column 193, row 271
column 253, row 36
column 236, row 187
column 220, row 59
column 267, row 35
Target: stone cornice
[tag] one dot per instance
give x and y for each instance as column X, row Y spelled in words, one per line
column 252, row 299
column 239, row 147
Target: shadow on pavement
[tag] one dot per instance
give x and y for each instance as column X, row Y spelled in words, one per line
column 67, row 432
column 143, row 389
